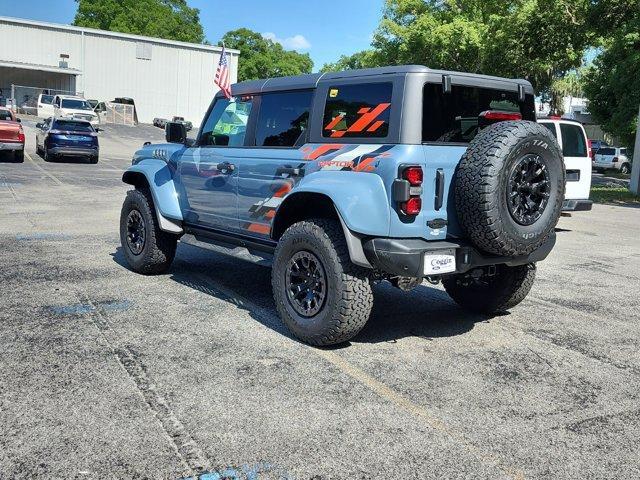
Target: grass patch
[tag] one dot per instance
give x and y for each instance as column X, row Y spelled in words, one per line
column 613, row 195
column 621, row 176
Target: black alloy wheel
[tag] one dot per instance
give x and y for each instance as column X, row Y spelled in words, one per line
column 306, row 283
column 529, row 190
column 136, row 232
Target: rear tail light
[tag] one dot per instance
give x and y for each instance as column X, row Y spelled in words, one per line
column 413, row 175
column 615, row 159
column 21, row 135
column 409, row 190
column 412, row 206
column 499, row 116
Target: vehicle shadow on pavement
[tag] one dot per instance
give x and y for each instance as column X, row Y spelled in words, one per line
column 425, row 312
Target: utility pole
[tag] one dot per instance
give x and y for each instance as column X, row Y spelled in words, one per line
column 635, row 171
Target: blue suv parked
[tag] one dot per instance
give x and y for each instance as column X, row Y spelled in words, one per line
column 395, row 174
column 59, row 138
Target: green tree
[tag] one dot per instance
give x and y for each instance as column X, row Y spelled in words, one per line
column 264, row 58
column 364, row 59
column 612, row 85
column 169, row 19
column 540, row 40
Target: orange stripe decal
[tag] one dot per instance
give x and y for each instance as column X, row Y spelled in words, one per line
column 375, row 126
column 367, row 118
column 259, row 228
column 334, row 122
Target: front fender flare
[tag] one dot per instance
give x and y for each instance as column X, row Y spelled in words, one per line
column 159, row 177
column 360, row 198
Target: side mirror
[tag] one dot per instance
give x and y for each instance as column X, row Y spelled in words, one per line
column 18, row 120
column 175, row 132
column 98, row 129
column 39, row 125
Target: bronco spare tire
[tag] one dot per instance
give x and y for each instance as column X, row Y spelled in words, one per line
column 509, row 188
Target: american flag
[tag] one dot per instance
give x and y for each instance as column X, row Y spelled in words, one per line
column 222, row 74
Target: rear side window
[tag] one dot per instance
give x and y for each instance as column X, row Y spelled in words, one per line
column 573, row 142
column 359, row 110
column 283, row 119
column 46, row 99
column 454, row 116
column 623, row 151
column 552, row 129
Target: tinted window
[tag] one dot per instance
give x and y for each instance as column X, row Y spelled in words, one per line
column 5, row 115
column 454, row 116
column 573, row 142
column 607, row 151
column 623, row 151
column 75, row 104
column 47, row 99
column 72, row 126
column 551, row 127
column 358, row 111
column 227, row 123
column 283, row 118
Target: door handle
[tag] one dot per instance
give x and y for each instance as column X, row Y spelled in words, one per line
column 226, row 167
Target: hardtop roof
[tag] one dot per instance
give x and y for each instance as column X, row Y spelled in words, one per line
column 310, row 81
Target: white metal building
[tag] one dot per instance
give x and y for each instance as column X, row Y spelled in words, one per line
column 163, row 77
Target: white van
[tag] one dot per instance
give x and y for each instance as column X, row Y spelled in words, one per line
column 45, row 106
column 76, row 108
column 577, row 161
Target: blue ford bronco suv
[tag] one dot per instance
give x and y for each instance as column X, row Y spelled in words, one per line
column 342, row 180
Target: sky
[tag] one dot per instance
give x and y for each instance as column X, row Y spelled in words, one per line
column 325, row 29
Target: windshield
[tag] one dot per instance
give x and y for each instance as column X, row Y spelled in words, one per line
column 70, row 125
column 454, row 116
column 75, row 104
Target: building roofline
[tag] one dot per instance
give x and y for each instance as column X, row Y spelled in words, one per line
column 106, row 33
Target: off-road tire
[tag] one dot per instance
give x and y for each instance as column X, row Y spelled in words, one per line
column 482, row 185
column 348, row 300
column 159, row 247
column 38, row 149
column 492, row 294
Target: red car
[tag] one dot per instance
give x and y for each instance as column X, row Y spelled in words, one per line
column 11, row 134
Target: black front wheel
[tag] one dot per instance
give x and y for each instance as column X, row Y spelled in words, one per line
column 321, row 296
column 148, row 249
column 491, row 290
column 625, row 168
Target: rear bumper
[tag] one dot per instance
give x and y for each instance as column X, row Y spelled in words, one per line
column 11, row 146
column 74, row 151
column 405, row 257
column 577, row 205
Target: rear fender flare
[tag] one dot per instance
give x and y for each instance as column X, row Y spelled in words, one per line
column 360, row 199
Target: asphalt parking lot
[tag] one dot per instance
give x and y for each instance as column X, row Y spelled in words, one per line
column 108, row 374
